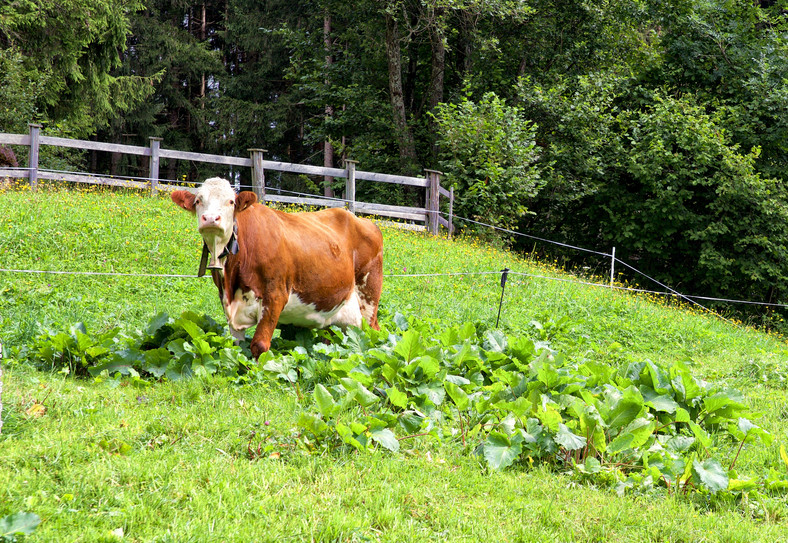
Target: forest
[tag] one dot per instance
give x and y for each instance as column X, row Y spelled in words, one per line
column 659, row 127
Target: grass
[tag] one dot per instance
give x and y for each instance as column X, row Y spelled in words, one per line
column 203, row 460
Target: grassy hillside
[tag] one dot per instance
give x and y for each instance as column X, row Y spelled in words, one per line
column 191, row 460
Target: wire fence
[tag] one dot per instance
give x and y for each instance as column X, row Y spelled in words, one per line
column 667, row 290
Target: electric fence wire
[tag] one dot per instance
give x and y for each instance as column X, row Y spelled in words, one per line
column 670, row 291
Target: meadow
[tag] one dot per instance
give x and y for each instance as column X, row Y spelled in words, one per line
column 218, row 458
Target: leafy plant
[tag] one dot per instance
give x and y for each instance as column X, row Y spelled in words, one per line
column 508, row 399
column 192, row 344
column 488, row 151
column 18, row 524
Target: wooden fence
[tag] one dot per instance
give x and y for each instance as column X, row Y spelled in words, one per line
column 429, row 215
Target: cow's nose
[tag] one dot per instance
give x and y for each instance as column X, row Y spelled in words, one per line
column 211, row 219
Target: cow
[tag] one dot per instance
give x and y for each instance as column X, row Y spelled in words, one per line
column 310, row 269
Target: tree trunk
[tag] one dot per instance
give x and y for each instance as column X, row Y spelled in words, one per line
column 407, row 147
column 203, row 35
column 328, row 149
column 438, row 45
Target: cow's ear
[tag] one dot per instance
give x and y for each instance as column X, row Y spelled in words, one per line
column 244, row 200
column 184, row 198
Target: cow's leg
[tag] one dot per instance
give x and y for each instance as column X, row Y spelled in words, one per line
column 261, row 340
column 369, row 284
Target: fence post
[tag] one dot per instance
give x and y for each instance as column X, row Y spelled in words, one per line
column 433, row 200
column 258, row 173
column 451, row 211
column 504, row 275
column 32, row 161
column 155, row 145
column 350, row 184
column 612, row 266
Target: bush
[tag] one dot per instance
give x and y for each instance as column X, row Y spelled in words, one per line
column 487, row 151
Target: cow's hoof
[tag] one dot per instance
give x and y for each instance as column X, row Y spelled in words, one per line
column 258, row 348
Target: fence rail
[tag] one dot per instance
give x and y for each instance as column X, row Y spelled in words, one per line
column 429, row 215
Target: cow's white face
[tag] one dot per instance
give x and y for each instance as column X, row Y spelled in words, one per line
column 214, row 205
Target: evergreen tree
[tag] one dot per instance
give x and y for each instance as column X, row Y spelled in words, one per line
column 65, row 52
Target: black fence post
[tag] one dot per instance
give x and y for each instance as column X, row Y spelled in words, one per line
column 504, row 276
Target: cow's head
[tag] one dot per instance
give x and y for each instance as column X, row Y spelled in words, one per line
column 215, row 204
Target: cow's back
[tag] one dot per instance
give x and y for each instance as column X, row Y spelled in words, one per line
column 359, row 237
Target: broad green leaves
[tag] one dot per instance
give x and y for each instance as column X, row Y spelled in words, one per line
column 510, row 399
column 500, row 452
column 193, row 344
column 18, row 524
column 710, row 474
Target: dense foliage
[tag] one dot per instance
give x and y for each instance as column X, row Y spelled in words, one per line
column 633, row 424
column 656, row 127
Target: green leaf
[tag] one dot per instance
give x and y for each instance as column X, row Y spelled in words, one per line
column 592, row 465
column 745, row 430
column 458, row 395
column 495, row 341
column 700, row 434
column 385, row 438
column 633, row 436
column 742, row 485
column 659, row 402
column 358, row 428
column 156, row 323
column 685, row 386
column 156, row 361
column 499, row 452
column 325, row 402
column 657, row 377
column 626, row 409
column 397, row 397
column 520, row 407
column 710, row 474
column 313, row 424
column 467, row 331
column 96, row 351
column 547, row 374
column 361, row 393
column 522, row 348
column 722, row 407
column 410, row 346
column 569, row 440
column 18, row 524
column 191, row 328
column 433, row 391
column 346, row 434
column 784, row 455
column 411, row 421
column 401, row 321
column 549, row 417
column 429, row 365
column 682, row 415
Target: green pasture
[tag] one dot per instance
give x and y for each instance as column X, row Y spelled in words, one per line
column 207, row 459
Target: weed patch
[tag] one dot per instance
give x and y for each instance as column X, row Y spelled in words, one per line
column 507, row 399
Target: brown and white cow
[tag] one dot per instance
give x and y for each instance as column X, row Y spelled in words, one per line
column 311, row 270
